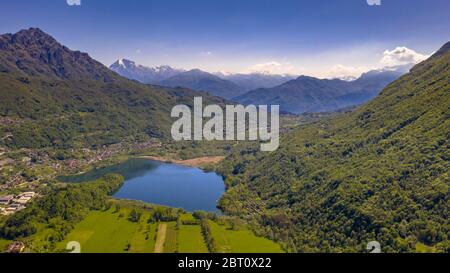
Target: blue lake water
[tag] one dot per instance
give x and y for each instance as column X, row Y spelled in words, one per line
column 162, row 183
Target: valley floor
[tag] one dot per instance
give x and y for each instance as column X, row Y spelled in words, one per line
column 112, row 232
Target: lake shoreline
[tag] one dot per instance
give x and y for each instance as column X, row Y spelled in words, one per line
column 163, row 183
column 193, row 162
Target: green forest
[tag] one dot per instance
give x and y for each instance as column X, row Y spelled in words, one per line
column 61, row 207
column 377, row 173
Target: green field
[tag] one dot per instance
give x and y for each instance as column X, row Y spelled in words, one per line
column 116, row 231
column 421, row 248
column 171, row 243
column 241, row 241
column 190, row 239
column 112, row 232
column 187, row 217
column 4, row 244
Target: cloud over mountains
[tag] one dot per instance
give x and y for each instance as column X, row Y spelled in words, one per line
column 391, row 58
column 401, row 55
column 73, row 2
column 272, row 68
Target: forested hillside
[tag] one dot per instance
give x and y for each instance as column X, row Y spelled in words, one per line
column 53, row 96
column 378, row 173
column 203, row 81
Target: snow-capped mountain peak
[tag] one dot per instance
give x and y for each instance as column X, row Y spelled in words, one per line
column 123, row 63
column 152, row 75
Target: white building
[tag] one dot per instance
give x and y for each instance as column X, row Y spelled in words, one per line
column 4, row 200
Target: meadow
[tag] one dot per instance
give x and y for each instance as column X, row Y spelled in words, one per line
column 191, row 239
column 4, row 244
column 241, row 240
column 112, row 231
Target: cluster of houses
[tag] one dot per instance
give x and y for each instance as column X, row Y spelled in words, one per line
column 10, row 204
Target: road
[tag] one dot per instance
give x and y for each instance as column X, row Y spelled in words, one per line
column 160, row 238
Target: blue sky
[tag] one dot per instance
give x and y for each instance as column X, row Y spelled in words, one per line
column 315, row 37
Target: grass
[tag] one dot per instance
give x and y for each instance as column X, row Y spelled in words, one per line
column 112, row 232
column 241, row 241
column 187, row 217
column 144, row 241
column 3, row 245
column 40, row 242
column 190, row 239
column 422, row 248
column 171, row 243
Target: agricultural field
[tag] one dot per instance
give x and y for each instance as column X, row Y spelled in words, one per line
column 4, row 244
column 187, row 217
column 130, row 229
column 113, row 232
column 171, row 240
column 191, row 239
column 241, row 240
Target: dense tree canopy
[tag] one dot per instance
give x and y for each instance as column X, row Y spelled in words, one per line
column 61, row 207
column 378, row 173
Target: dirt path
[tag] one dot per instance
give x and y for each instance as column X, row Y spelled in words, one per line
column 161, row 238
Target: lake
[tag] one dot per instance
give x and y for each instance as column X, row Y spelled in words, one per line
column 162, row 183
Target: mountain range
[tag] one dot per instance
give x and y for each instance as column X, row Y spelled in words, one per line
column 53, row 96
column 219, row 84
column 256, row 80
column 294, row 95
column 150, row 75
column 203, row 81
column 309, row 94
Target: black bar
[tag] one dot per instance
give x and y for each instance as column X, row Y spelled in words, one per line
column 228, row 262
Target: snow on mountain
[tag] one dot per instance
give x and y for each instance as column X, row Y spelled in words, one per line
column 150, row 75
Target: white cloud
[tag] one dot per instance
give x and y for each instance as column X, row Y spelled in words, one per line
column 272, row 68
column 206, row 53
column 374, row 2
column 390, row 58
column 401, row 55
column 345, row 72
column 73, row 2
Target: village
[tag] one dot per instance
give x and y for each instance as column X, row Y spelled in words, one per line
column 23, row 173
column 28, row 170
column 10, row 204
